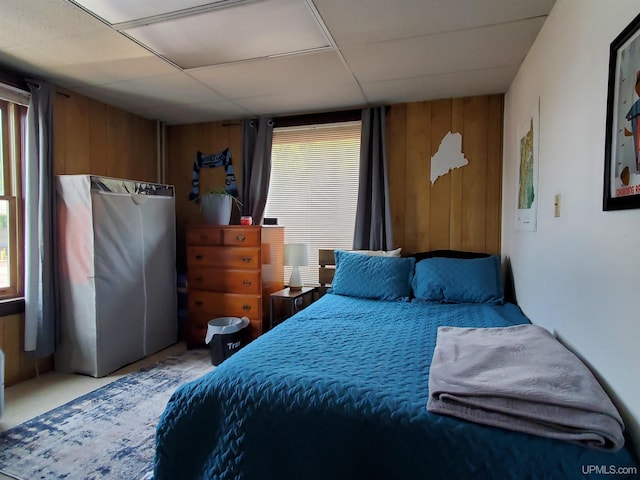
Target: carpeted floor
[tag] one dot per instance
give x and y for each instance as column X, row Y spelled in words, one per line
column 106, row 434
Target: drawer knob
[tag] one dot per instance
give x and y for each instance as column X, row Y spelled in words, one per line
column 198, row 279
column 198, row 303
column 246, row 282
column 241, row 238
column 199, row 256
column 204, row 238
column 246, row 307
column 246, row 259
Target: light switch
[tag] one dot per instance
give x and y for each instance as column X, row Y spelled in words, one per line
column 556, row 205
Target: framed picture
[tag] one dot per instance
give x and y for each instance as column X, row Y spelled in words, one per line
column 622, row 144
column 527, row 198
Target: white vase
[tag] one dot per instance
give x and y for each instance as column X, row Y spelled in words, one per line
column 216, row 208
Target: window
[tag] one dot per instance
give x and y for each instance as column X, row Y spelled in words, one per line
column 314, row 187
column 12, row 117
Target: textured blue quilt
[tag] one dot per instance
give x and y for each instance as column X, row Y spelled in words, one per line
column 339, row 391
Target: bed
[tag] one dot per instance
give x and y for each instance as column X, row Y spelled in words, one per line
column 340, row 390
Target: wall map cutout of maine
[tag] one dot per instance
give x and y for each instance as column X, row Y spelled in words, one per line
column 448, row 157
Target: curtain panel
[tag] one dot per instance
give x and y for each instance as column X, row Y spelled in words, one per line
column 373, row 229
column 257, row 138
column 40, row 253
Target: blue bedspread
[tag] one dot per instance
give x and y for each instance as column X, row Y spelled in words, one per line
column 339, row 391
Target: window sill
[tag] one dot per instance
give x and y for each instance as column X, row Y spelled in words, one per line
column 11, row 306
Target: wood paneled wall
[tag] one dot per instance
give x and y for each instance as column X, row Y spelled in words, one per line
column 90, row 137
column 18, row 365
column 96, row 138
column 182, row 144
column 461, row 210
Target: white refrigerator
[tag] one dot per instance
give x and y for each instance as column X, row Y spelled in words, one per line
column 117, row 272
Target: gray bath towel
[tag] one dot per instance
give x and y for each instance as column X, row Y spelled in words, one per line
column 521, row 378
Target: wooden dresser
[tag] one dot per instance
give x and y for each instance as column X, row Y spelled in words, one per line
column 231, row 271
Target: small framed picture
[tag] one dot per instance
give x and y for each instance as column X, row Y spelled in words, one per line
column 622, row 144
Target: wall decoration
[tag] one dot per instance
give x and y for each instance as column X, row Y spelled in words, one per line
column 622, row 144
column 448, row 157
column 220, row 159
column 528, row 141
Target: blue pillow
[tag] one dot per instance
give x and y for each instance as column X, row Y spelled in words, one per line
column 455, row 280
column 365, row 276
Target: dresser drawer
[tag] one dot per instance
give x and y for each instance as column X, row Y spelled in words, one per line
column 227, row 257
column 218, row 280
column 205, row 236
column 214, row 304
column 241, row 237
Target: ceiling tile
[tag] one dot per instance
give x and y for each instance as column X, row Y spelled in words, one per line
column 276, row 75
column 155, row 91
column 244, row 32
column 350, row 24
column 319, row 99
column 100, row 73
column 100, row 46
column 453, row 85
column 194, row 112
column 24, row 22
column 499, row 45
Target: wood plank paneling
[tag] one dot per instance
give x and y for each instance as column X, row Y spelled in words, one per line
column 462, row 209
column 18, row 365
column 183, row 141
column 59, row 134
column 77, row 134
column 99, row 153
column 474, row 144
column 440, row 190
column 455, row 184
column 418, row 150
column 396, row 150
column 494, row 174
column 94, row 138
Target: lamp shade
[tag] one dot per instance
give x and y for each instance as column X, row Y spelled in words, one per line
column 296, row 254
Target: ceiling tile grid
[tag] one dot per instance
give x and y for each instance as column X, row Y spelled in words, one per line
column 198, row 60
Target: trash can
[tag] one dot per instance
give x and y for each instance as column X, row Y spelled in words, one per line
column 225, row 336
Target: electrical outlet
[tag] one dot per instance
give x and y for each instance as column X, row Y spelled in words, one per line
column 556, row 205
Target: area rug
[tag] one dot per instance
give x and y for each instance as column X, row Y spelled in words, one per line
column 106, row 434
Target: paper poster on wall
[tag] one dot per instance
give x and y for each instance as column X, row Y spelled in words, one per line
column 527, row 198
column 622, row 144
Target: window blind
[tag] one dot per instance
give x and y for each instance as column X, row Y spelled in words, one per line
column 313, row 188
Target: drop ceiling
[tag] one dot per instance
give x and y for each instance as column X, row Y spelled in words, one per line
column 187, row 61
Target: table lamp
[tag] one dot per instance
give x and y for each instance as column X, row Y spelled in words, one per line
column 296, row 255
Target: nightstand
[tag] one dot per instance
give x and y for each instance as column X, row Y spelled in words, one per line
column 287, row 302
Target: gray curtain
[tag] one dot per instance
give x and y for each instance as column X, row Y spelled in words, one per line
column 257, row 137
column 39, row 192
column 373, row 215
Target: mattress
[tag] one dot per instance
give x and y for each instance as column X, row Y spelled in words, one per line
column 339, row 391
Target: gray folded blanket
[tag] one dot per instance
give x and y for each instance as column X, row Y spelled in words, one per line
column 521, row 378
